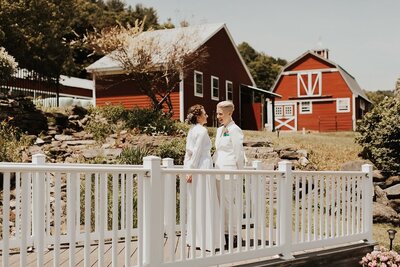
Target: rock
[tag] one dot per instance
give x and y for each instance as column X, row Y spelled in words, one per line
column 395, row 204
column 39, row 141
column 288, row 154
column 255, row 144
column 377, row 176
column 79, row 142
column 393, row 180
column 63, row 137
column 302, row 152
column 393, row 192
column 303, row 161
column 354, row 165
column 384, row 214
column 380, row 196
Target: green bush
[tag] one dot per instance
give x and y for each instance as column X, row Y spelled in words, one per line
column 150, row 122
column 174, row 149
column 114, row 113
column 99, row 129
column 379, row 135
column 134, row 155
column 11, row 143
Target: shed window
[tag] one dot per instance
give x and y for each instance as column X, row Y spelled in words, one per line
column 306, row 107
column 229, row 90
column 198, row 83
column 343, row 105
column 278, row 111
column 214, row 88
column 288, row 110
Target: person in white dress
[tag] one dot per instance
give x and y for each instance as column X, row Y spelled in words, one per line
column 198, row 156
column 229, row 154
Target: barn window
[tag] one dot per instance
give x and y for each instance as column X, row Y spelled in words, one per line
column 288, row 111
column 278, row 111
column 309, row 84
column 305, row 107
column 343, row 105
column 198, row 83
column 214, row 88
column 229, row 90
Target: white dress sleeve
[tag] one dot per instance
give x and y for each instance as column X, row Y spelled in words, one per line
column 199, row 141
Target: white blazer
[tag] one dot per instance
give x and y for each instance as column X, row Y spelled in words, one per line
column 229, row 147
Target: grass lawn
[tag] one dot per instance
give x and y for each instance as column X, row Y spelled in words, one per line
column 328, row 151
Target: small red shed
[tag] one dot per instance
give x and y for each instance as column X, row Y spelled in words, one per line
column 318, row 95
column 223, row 76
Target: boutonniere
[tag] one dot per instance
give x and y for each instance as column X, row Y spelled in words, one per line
column 226, row 132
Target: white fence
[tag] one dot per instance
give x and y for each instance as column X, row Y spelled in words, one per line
column 75, row 206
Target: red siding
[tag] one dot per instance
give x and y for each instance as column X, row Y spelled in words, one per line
column 310, row 62
column 224, row 63
column 114, row 90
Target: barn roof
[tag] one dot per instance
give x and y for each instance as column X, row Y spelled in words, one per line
column 349, row 79
column 166, row 38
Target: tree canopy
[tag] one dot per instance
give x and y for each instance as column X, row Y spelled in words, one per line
column 43, row 35
column 264, row 69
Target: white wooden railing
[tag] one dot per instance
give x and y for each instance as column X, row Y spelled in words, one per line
column 73, row 205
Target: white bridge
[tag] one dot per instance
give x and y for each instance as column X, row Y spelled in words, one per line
column 125, row 215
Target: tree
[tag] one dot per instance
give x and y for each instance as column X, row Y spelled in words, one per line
column 379, row 135
column 154, row 63
column 34, row 32
column 378, row 96
column 264, row 69
column 7, row 65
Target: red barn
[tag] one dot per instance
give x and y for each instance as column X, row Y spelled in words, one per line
column 317, row 94
column 223, row 76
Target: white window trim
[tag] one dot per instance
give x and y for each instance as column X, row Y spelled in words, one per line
column 309, row 88
column 195, row 83
column 287, row 114
column 301, row 107
column 226, row 90
column 277, row 115
column 348, row 105
column 212, row 88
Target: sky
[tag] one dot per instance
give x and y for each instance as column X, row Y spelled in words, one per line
column 363, row 36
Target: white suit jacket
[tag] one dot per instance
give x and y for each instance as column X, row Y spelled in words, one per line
column 229, row 147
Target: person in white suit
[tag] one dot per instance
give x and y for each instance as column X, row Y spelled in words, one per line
column 198, row 156
column 229, row 154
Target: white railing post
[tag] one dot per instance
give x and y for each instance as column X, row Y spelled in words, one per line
column 153, row 213
column 39, row 209
column 169, row 185
column 255, row 187
column 285, row 208
column 368, row 192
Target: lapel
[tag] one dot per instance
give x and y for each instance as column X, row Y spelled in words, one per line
column 218, row 137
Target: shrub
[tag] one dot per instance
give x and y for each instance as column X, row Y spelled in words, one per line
column 100, row 129
column 174, row 149
column 134, row 155
column 379, row 135
column 150, row 122
column 11, row 143
column 381, row 258
column 114, row 113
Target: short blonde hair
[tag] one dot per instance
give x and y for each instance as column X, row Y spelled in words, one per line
column 226, row 105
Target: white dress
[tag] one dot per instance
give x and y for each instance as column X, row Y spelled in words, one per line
column 198, row 156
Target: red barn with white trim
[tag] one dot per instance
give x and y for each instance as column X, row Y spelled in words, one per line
column 224, row 76
column 318, row 95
